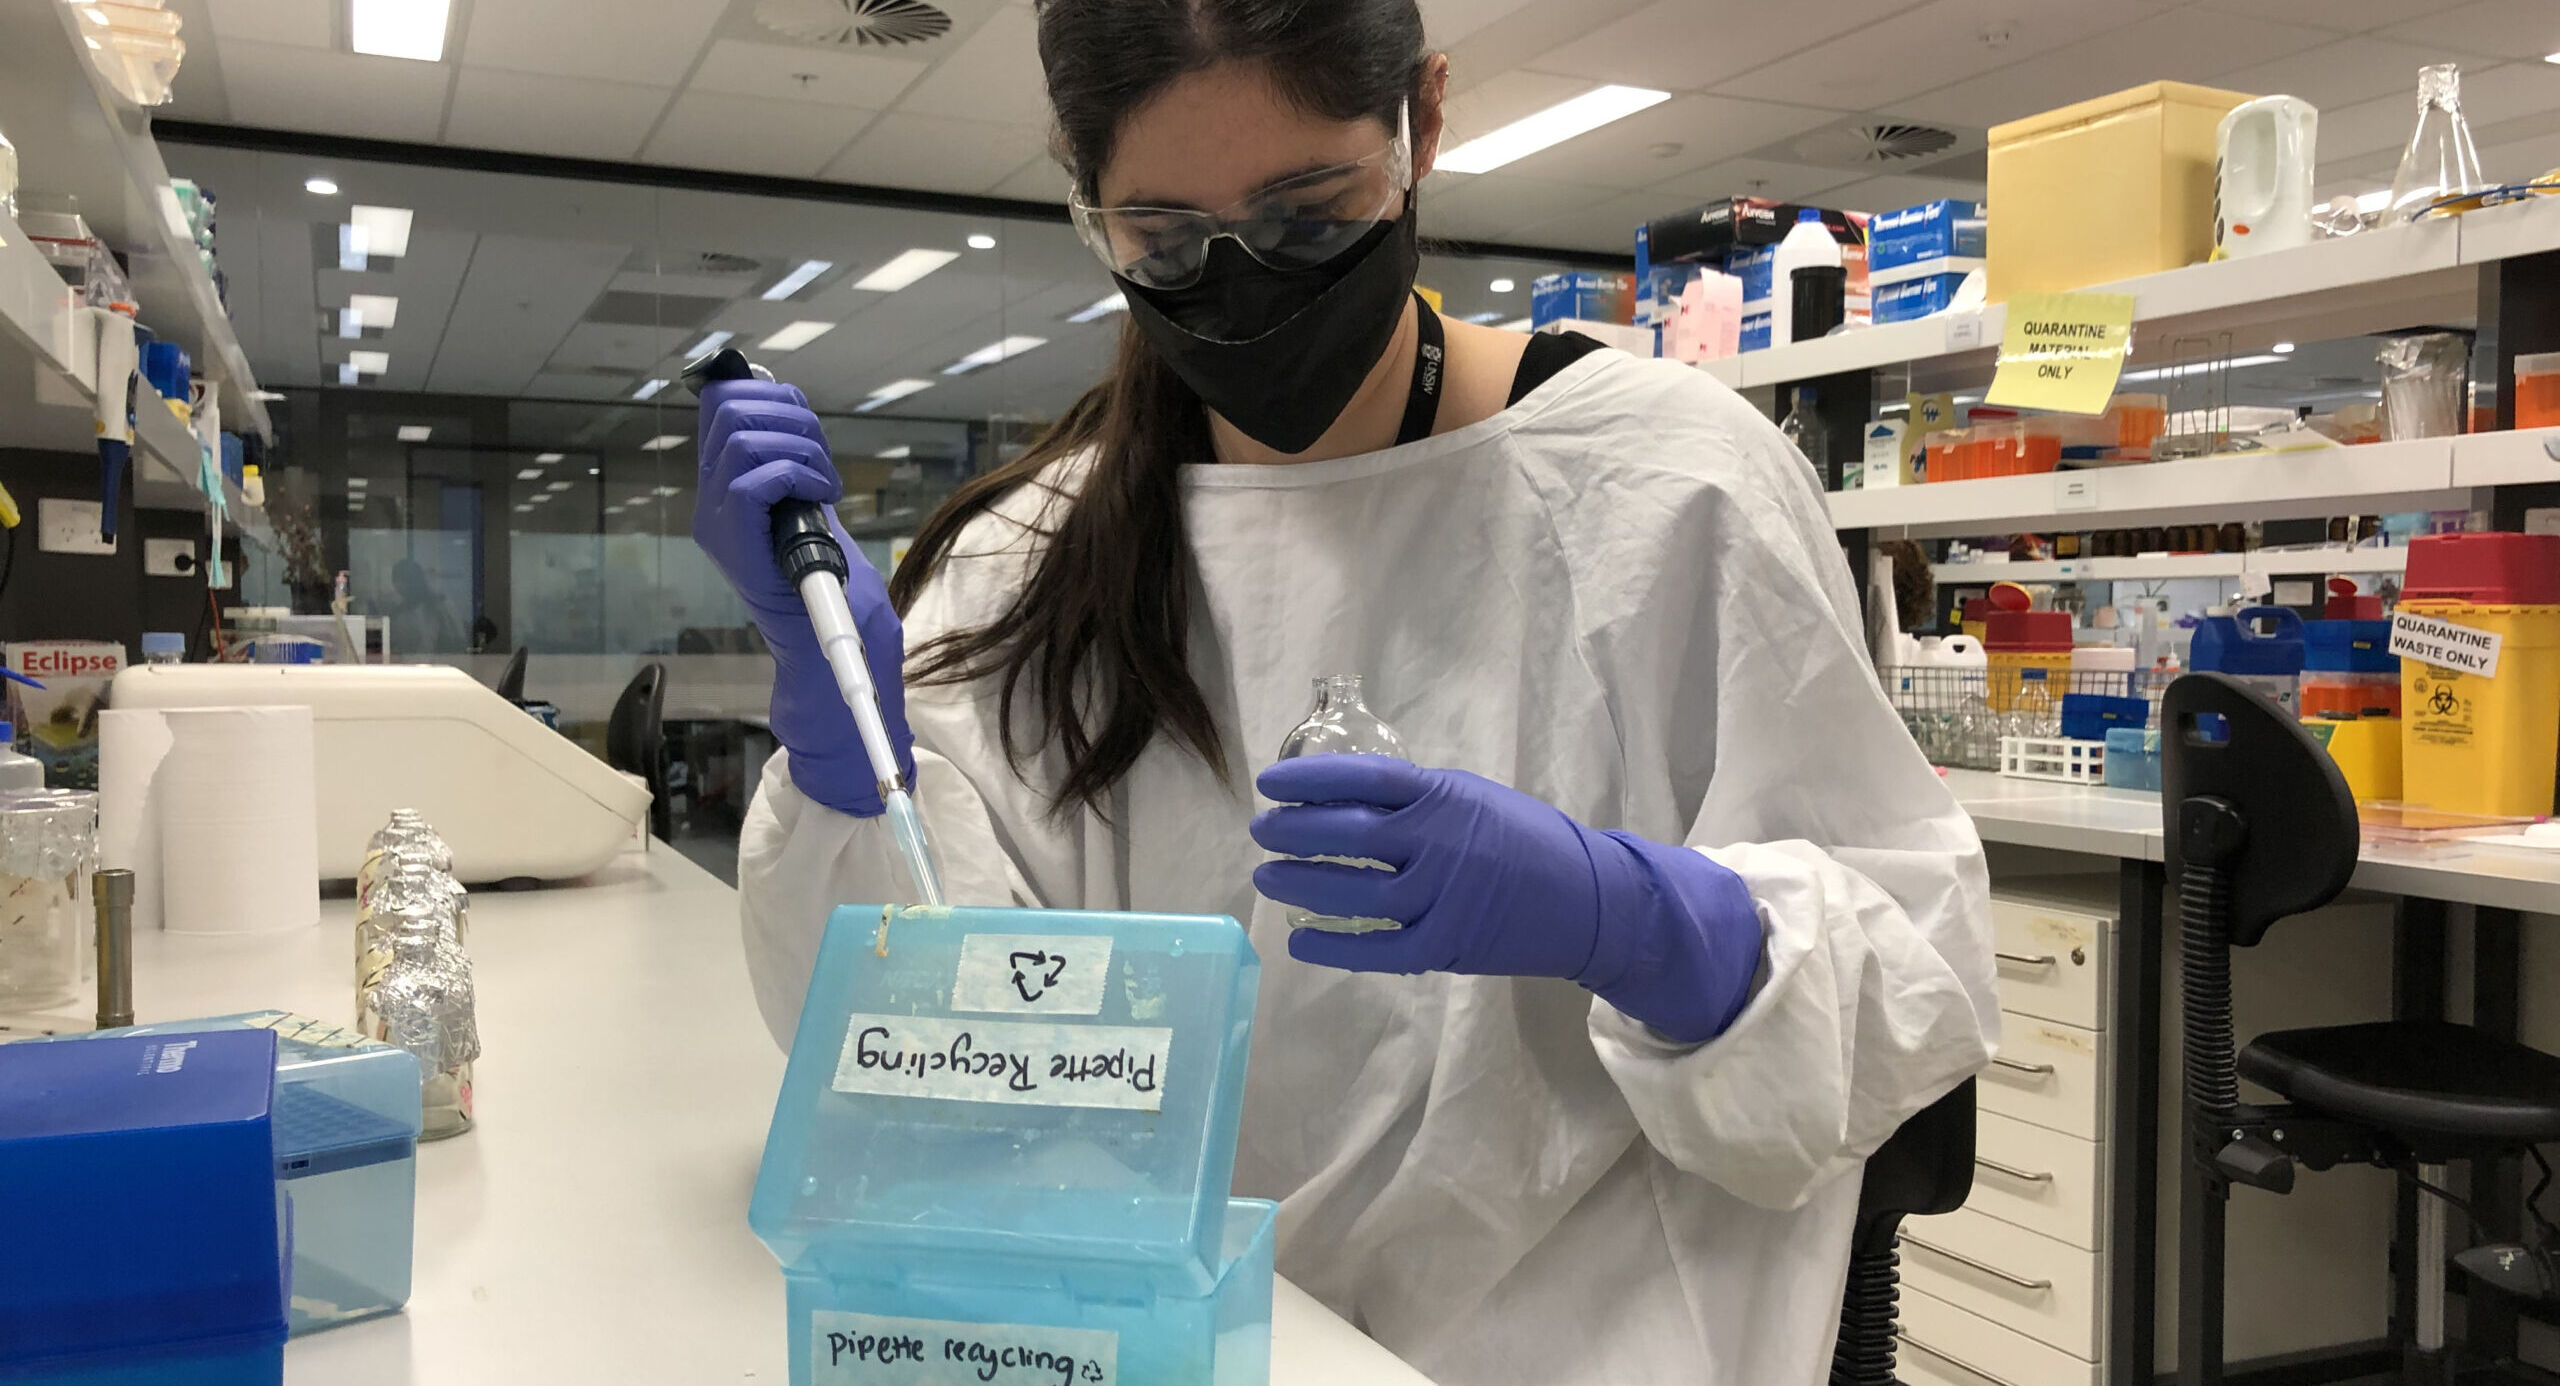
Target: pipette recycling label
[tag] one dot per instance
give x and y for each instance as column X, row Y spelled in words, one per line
column 1022, row 1063
column 1032, row 974
column 849, row 1349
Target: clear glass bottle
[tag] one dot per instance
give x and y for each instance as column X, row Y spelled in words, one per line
column 48, row 847
column 1340, row 724
column 2441, row 160
column 2032, row 712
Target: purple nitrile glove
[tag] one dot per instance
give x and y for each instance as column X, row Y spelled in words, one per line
column 1490, row 881
column 760, row 445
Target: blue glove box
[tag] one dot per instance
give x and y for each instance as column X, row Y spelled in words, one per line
column 1018, row 1127
column 142, row 1238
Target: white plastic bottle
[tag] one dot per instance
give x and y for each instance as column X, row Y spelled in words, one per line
column 18, row 770
column 1808, row 242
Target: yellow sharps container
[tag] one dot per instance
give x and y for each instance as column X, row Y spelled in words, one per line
column 2480, row 728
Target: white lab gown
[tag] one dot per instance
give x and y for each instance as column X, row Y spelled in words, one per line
column 1622, row 596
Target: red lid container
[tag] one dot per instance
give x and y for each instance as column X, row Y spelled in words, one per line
column 2027, row 632
column 2490, row 569
column 2344, row 603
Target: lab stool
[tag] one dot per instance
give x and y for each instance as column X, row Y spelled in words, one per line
column 2260, row 826
column 1924, row 1168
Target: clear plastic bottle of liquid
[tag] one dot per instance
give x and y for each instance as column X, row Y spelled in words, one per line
column 1340, row 724
column 1804, row 428
column 2032, row 712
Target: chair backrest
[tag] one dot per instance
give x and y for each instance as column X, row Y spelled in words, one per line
column 1924, row 1169
column 2282, row 790
column 632, row 737
column 511, row 679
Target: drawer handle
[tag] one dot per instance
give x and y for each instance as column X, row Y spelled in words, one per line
column 2027, row 1175
column 2021, row 1065
column 2027, row 959
column 1971, row 1264
column 1956, row 1362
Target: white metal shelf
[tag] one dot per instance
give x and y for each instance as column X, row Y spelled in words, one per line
column 2163, row 567
column 2518, row 458
column 75, row 138
column 2425, row 272
column 2374, row 478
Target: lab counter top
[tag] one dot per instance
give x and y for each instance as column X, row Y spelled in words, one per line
column 592, row 1228
column 2126, row 823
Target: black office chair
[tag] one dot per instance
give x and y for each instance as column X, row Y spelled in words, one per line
column 510, row 683
column 635, row 742
column 1923, row 1169
column 2260, row 826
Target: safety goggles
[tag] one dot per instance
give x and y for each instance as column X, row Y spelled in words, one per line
column 1295, row 224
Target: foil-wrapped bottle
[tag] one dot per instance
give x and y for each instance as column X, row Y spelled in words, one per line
column 414, row 988
column 407, row 834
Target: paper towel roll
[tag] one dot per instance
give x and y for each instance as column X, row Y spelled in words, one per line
column 131, row 745
column 238, row 847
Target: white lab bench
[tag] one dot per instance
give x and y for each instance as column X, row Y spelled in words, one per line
column 593, row 1227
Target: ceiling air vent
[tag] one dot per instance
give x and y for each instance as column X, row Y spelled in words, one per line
column 1884, row 143
column 854, row 23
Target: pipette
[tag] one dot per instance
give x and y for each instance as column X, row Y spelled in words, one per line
column 814, row 563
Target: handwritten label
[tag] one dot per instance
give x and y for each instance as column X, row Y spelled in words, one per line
column 1018, row 1062
column 1027, row 974
column 847, row 1349
column 2463, row 649
column 2062, row 352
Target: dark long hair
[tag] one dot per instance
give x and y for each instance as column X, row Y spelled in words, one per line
column 1099, row 632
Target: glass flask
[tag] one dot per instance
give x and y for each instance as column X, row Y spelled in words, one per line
column 2441, row 160
column 2031, row 712
column 1341, row 725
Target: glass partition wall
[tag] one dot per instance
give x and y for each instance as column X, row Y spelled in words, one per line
column 479, row 424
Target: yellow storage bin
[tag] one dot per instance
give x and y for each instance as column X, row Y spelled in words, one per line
column 2103, row 190
column 2367, row 750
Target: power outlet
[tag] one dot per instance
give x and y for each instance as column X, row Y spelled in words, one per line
column 70, row 526
column 168, row 557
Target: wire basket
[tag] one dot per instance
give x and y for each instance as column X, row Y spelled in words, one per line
column 1958, row 718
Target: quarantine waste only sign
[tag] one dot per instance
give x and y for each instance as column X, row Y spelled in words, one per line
column 2062, row 352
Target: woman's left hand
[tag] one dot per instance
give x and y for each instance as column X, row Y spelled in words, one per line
column 1490, row 881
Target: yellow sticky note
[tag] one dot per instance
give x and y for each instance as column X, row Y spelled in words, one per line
column 2062, row 352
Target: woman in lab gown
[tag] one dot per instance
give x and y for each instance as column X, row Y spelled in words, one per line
column 1598, row 1114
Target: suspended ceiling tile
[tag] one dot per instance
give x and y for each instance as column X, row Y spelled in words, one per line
column 2367, row 127
column 1939, row 43
column 2186, row 45
column 1785, row 182
column 287, row 88
column 2508, row 29
column 1684, row 45
column 570, row 385
column 1607, row 225
column 598, row 345
column 1446, row 22
column 578, row 117
column 1893, row 192
column 2342, row 73
column 1490, row 206
column 651, row 42
column 1040, row 180
column 1695, row 130
column 791, row 72
column 993, row 75
column 1503, row 98
column 745, row 134
column 2492, row 96
column 300, row 23
column 902, row 150
column 2349, row 16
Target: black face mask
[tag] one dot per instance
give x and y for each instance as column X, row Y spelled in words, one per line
column 1280, row 353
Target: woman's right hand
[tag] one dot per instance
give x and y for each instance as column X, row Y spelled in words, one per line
column 759, row 446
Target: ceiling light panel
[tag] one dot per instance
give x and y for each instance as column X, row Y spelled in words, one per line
column 796, row 336
column 412, row 29
column 892, row 392
column 710, row 343
column 370, row 362
column 904, row 269
column 649, row 389
column 1101, row 308
column 374, row 310
column 384, row 231
column 529, row 474
column 1550, row 127
column 665, row 441
column 797, row 279
column 994, row 352
column 546, row 458
column 416, row 433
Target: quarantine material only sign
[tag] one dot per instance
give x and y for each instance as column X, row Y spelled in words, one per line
column 2062, row 352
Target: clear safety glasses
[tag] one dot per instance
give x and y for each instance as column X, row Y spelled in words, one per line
column 1295, row 224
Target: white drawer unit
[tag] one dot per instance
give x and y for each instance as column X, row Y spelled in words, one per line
column 2043, row 1288
column 2048, row 1074
column 2040, row 1179
column 2053, row 962
column 1943, row 1345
